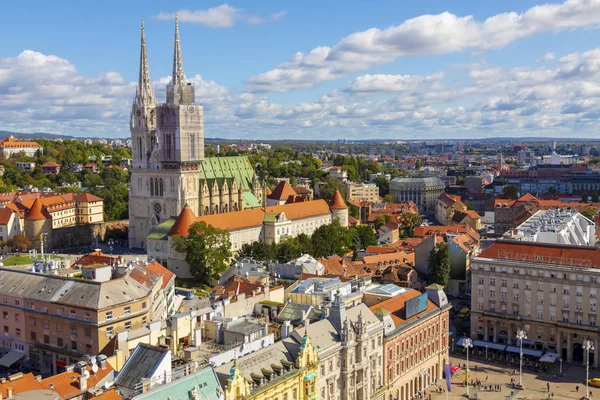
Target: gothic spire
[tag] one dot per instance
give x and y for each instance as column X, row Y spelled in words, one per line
column 145, row 93
column 178, row 77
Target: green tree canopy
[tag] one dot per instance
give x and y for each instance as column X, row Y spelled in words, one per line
column 331, row 239
column 365, row 236
column 207, row 251
column 510, row 192
column 439, row 264
column 589, row 213
column 381, row 220
column 407, row 223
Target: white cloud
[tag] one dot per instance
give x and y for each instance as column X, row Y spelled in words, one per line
column 223, row 16
column 46, row 93
column 546, row 57
column 426, row 34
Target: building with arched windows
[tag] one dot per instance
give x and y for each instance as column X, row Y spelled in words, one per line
column 168, row 167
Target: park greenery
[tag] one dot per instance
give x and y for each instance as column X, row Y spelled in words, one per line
column 327, row 240
column 111, row 184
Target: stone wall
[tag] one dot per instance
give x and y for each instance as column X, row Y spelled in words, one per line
column 84, row 235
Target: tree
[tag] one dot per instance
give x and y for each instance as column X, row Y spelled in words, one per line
column 259, row 251
column 331, row 239
column 383, row 184
column 388, row 198
column 589, row 213
column 407, row 223
column 207, row 251
column 595, row 197
column 584, row 197
column 510, row 192
column 19, row 243
column 381, row 220
column 288, row 250
column 328, row 189
column 439, row 264
column 552, row 190
column 365, row 236
column 353, row 210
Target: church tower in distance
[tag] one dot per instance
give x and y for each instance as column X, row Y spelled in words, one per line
column 167, row 147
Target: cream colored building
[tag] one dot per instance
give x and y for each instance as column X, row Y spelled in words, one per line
column 56, row 321
column 268, row 224
column 421, row 191
column 362, row 192
column 11, row 145
column 548, row 290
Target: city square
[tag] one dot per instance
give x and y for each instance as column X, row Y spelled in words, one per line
column 535, row 383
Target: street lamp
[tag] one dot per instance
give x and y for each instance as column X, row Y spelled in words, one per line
column 467, row 344
column 587, row 345
column 521, row 335
column 560, row 366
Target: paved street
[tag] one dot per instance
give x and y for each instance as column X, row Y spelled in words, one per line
column 535, row 383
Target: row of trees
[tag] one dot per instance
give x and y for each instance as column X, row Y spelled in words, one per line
column 208, row 249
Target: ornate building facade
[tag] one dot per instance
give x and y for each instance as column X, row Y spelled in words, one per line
column 168, row 168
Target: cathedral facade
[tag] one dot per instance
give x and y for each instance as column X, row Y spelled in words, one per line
column 169, row 169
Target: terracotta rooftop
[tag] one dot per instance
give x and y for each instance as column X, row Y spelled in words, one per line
column 36, row 212
column 282, row 191
column 66, row 384
column 337, row 202
column 50, row 164
column 22, row 383
column 96, row 258
column 184, row 221
column 574, row 256
column 148, row 274
column 396, row 306
column 5, row 214
column 251, row 217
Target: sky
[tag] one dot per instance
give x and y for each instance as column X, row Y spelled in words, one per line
column 310, row 70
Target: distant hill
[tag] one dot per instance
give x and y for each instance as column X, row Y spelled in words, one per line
column 36, row 135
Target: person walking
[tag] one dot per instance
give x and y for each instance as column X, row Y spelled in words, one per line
column 577, row 388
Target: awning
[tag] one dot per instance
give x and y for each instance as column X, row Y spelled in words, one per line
column 489, row 345
column 10, row 358
column 460, row 341
column 549, row 357
column 528, row 352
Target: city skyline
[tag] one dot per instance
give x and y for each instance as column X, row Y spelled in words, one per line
column 276, row 71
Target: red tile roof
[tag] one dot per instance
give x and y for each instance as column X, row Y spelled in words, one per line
column 396, row 306
column 36, row 212
column 23, row 384
column 184, row 221
column 282, row 191
column 577, row 256
column 337, row 202
column 5, row 215
column 66, row 384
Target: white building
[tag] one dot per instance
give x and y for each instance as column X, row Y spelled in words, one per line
column 560, row 226
column 11, row 145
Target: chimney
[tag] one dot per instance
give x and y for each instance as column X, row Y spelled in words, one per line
column 9, row 393
column 101, row 361
column 83, row 382
column 285, row 329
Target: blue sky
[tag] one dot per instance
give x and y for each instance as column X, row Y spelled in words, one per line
column 310, row 70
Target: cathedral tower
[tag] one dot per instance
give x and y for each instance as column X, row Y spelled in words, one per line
column 167, row 146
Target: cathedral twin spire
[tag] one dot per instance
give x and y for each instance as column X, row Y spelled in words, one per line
column 144, row 91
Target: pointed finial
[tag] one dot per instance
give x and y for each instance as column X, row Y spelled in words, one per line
column 178, row 76
column 235, row 357
column 144, row 91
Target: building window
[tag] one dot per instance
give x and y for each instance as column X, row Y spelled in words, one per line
column 109, row 315
column 5, row 314
column 128, row 325
column 73, row 331
column 87, row 331
column 19, row 332
column 59, row 326
column 127, row 310
column 33, row 336
column 109, row 331
column 46, row 339
column 87, row 316
column 73, row 345
column 72, row 314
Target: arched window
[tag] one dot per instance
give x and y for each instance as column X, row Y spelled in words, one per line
column 162, row 186
column 156, row 186
column 151, row 186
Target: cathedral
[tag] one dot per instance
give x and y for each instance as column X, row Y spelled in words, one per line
column 169, row 169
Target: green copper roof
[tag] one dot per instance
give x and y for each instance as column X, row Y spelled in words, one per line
column 250, row 201
column 228, row 167
column 270, row 217
column 161, row 231
column 204, row 381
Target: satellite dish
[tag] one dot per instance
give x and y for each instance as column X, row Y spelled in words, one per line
column 86, row 374
column 94, row 368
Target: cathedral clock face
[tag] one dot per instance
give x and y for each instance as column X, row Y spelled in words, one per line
column 191, row 110
column 138, row 113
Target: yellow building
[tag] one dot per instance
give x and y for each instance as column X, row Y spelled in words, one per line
column 362, row 192
column 273, row 373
